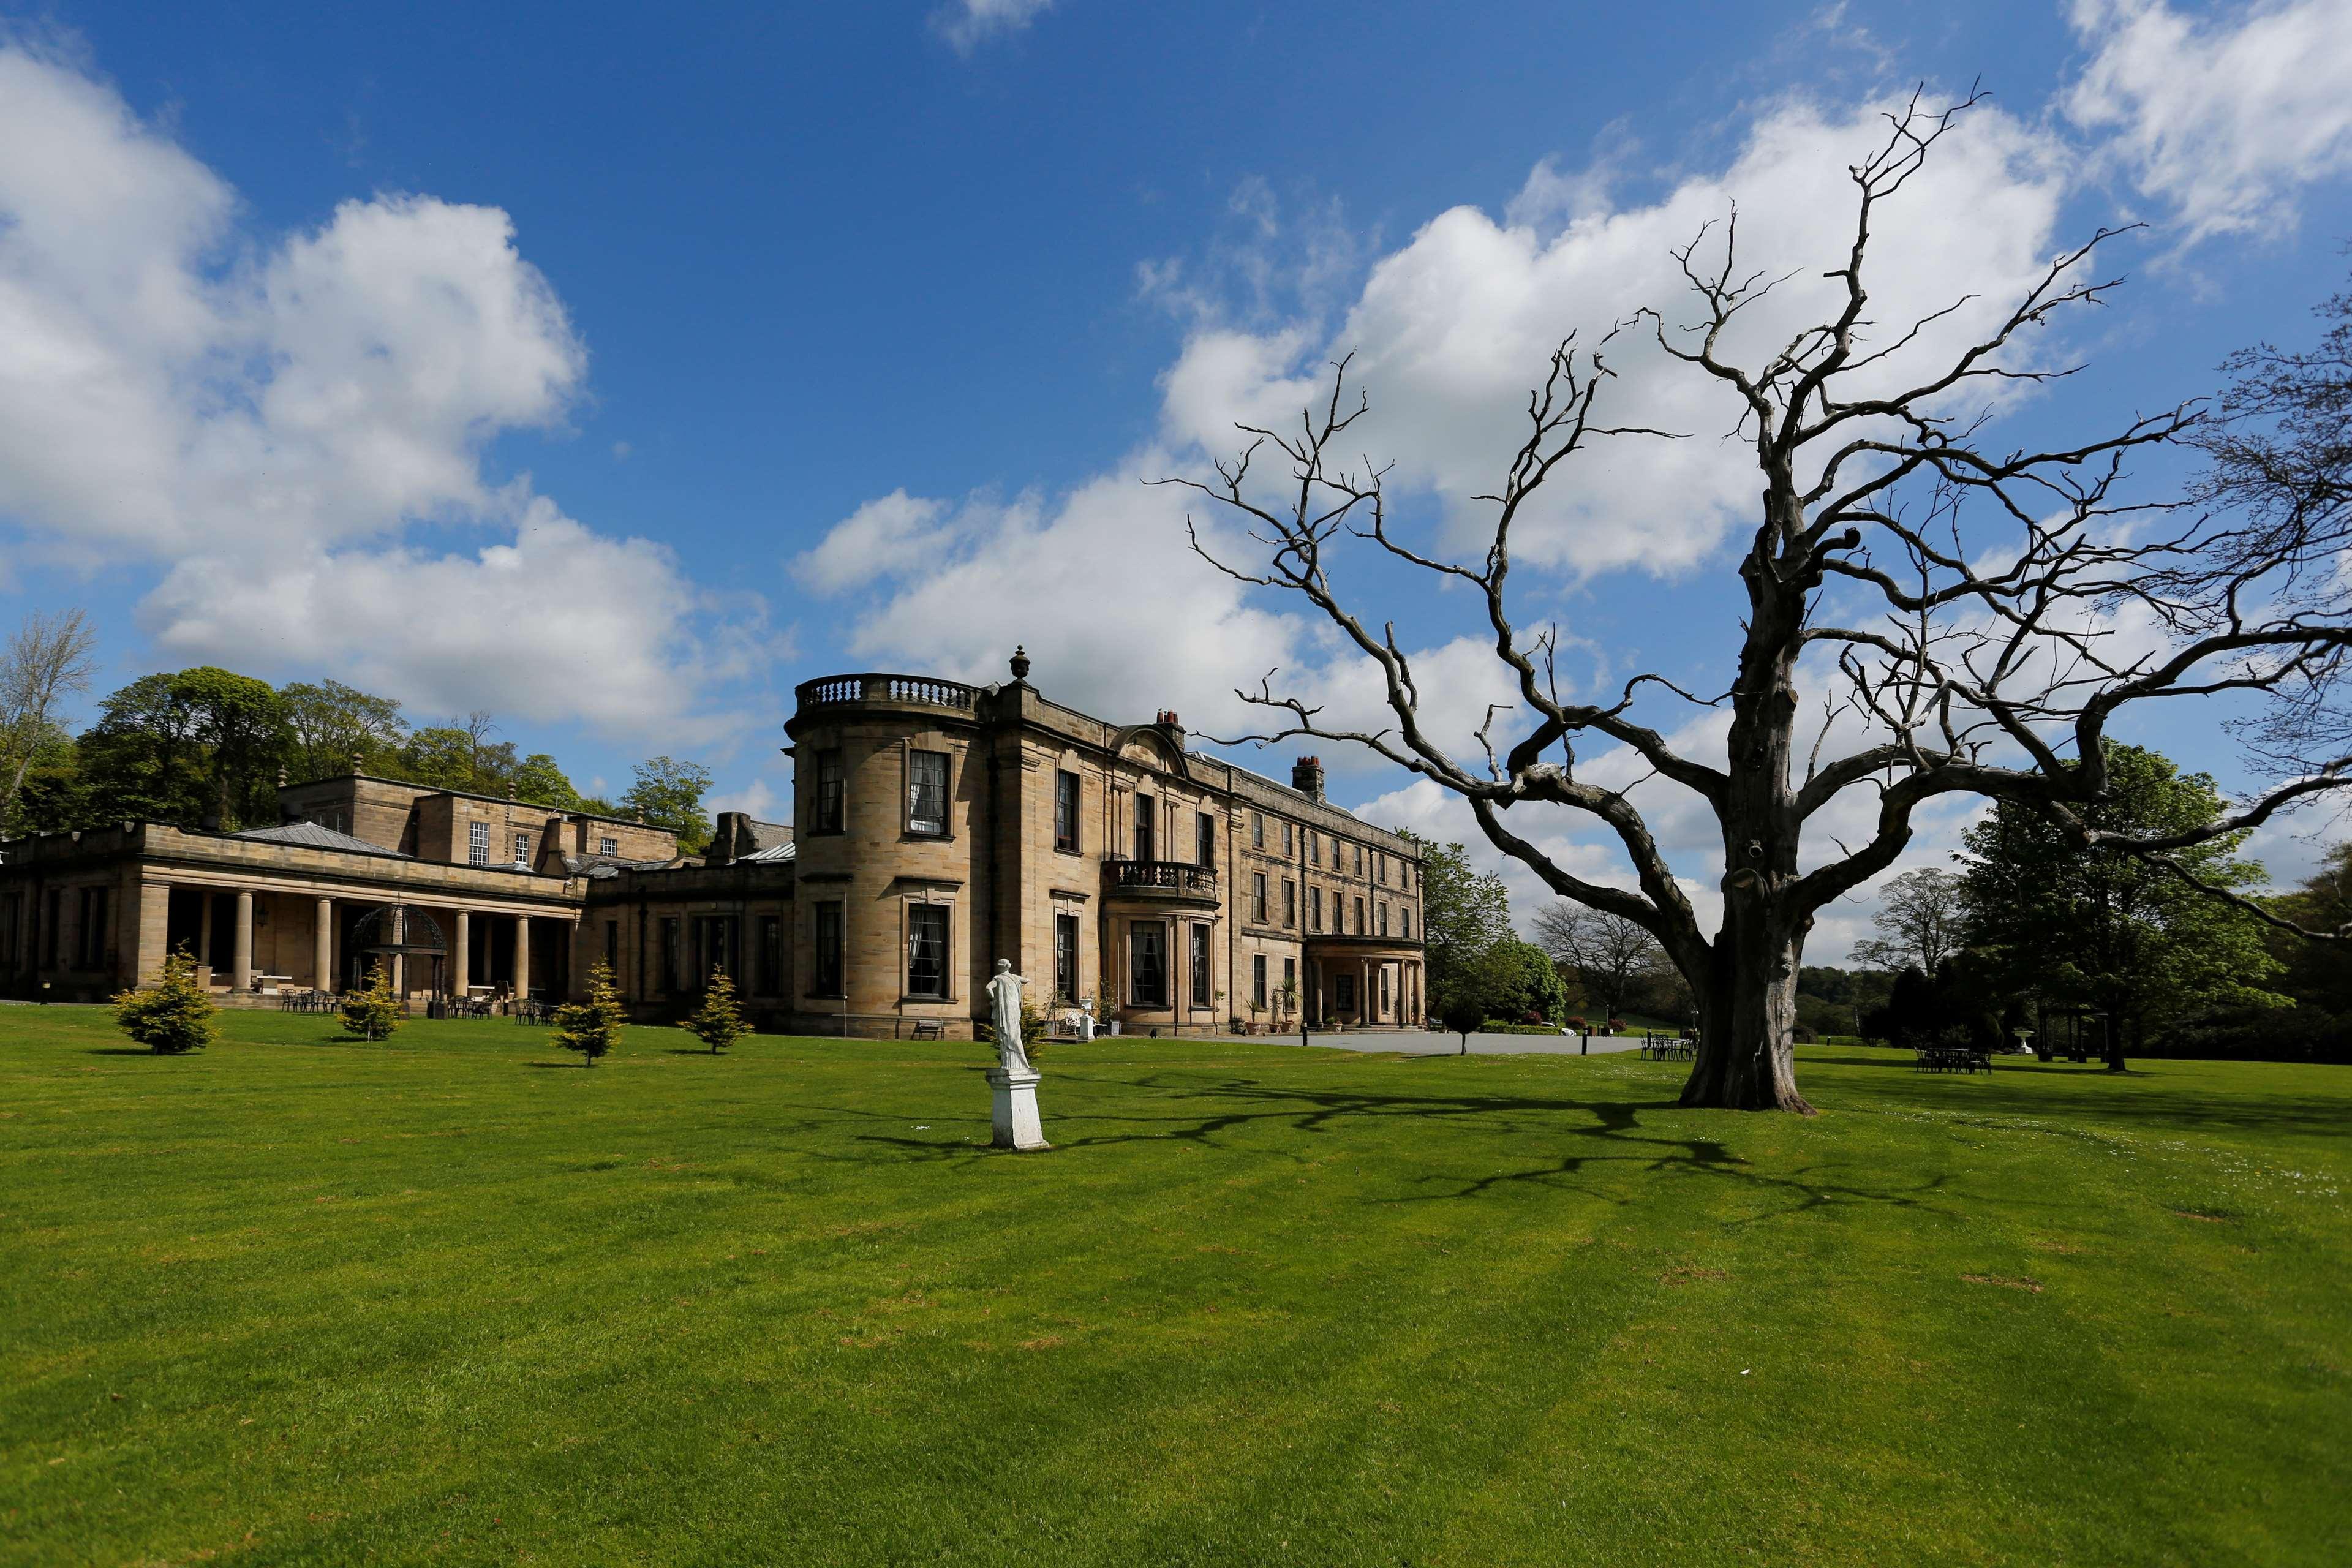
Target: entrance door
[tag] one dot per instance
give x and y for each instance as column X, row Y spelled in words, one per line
column 1343, row 992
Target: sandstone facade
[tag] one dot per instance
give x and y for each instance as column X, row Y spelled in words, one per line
column 938, row 826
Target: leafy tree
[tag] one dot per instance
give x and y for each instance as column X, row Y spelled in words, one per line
column 54, row 796
column 174, row 1016
column 2107, row 929
column 668, row 794
column 1464, row 915
column 2318, row 974
column 1613, row 957
column 1461, row 1013
column 538, row 779
column 719, row 1022
column 460, row 757
column 333, row 723
column 141, row 758
column 46, row 661
column 1525, row 981
column 592, row 1026
column 1921, row 922
column 241, row 723
column 372, row 1011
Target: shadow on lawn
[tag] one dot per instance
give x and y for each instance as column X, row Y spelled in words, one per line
column 1614, row 1127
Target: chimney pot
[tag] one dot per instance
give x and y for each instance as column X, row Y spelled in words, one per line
column 1306, row 777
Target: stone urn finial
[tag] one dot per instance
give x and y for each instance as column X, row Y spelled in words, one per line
column 1019, row 662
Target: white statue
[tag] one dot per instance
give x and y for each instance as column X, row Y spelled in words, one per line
column 1015, row 1122
column 1087, row 1019
column 1004, row 1008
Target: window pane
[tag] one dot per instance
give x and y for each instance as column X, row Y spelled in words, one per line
column 1199, row 965
column 1146, row 840
column 832, row 784
column 1065, row 957
column 1065, row 811
column 477, row 843
column 1148, row 970
column 927, row 792
column 1258, row 980
column 522, row 848
column 1204, row 841
column 828, row 950
column 1257, row 897
column 927, row 950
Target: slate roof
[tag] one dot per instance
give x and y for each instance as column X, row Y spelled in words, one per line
column 774, row 852
column 311, row 835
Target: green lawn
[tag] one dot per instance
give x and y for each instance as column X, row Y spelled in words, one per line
column 455, row 1299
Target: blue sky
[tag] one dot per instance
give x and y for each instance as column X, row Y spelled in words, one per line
column 615, row 373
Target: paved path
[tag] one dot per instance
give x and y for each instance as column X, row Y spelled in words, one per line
column 1422, row 1043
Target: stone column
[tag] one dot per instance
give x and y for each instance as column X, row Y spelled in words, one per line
column 152, row 929
column 241, row 952
column 1363, row 991
column 522, row 957
column 323, row 946
column 204, row 928
column 461, row 961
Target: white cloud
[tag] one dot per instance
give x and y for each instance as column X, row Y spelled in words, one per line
column 968, row 23
column 2218, row 119
column 563, row 623
column 271, row 415
column 880, row 539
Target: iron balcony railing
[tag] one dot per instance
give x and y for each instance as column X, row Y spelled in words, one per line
column 922, row 690
column 1178, row 877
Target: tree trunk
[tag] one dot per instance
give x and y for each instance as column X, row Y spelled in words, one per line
column 1748, row 1018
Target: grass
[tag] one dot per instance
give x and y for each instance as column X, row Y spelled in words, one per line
column 454, row 1299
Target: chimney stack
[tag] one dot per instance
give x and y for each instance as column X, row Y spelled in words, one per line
column 1306, row 777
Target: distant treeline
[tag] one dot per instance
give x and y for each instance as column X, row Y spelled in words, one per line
column 206, row 747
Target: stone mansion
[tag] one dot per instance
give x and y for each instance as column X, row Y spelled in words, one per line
column 939, row 827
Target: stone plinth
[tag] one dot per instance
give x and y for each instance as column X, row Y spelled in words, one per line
column 1016, row 1120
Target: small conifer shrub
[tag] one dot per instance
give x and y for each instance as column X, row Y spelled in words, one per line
column 174, row 1016
column 593, row 1026
column 372, row 1011
column 719, row 1022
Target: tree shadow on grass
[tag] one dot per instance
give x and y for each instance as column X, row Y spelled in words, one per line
column 130, row 1051
column 1612, row 1132
column 553, row 1067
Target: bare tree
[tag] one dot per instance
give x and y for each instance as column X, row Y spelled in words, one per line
column 47, row 660
column 1611, row 954
column 1920, row 923
column 1986, row 666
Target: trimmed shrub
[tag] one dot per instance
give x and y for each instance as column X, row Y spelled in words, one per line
column 373, row 1013
column 175, row 1017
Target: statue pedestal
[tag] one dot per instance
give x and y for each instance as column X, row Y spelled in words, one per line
column 1016, row 1120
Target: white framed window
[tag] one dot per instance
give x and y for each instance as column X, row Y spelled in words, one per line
column 477, row 843
column 522, row 848
column 608, row 846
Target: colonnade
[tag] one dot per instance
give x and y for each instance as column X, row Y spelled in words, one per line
column 242, row 967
